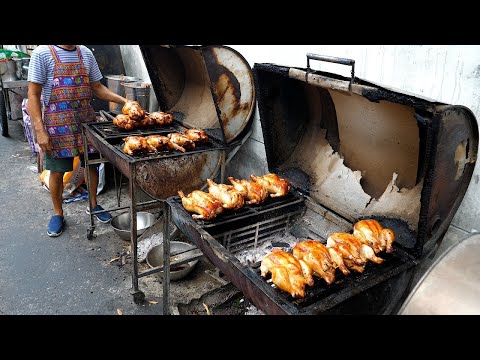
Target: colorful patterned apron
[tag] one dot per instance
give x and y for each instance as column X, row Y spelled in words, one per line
column 69, row 106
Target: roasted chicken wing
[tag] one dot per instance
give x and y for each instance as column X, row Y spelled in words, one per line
column 371, row 233
column 286, row 272
column 197, row 136
column 226, row 194
column 133, row 110
column 317, row 256
column 181, row 141
column 134, row 145
column 252, row 191
column 275, row 185
column 203, row 204
column 162, row 118
column 124, row 122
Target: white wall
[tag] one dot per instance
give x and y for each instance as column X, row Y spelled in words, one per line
column 449, row 74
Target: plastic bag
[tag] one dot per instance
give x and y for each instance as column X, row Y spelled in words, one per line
column 71, row 180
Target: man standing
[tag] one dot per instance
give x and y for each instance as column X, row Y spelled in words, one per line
column 61, row 80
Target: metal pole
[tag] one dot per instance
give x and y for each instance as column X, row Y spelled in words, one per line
column 91, row 229
column 166, row 259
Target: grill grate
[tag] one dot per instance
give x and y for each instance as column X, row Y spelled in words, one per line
column 108, row 131
column 251, row 236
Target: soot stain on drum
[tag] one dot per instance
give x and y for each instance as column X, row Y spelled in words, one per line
column 166, row 177
column 223, row 81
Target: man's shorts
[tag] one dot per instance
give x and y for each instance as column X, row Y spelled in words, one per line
column 65, row 164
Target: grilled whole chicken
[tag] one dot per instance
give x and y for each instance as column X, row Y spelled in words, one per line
column 254, row 192
column 226, row 194
column 147, row 121
column 158, row 143
column 181, row 141
column 134, row 145
column 162, row 118
column 319, row 258
column 124, row 122
column 203, row 204
column 197, row 136
column 352, row 249
column 133, row 110
column 286, row 270
column 275, row 185
column 371, row 233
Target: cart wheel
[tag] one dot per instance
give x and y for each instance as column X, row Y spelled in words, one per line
column 138, row 297
column 90, row 234
column 3, row 115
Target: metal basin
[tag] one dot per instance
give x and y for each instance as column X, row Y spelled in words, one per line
column 121, row 223
column 155, row 258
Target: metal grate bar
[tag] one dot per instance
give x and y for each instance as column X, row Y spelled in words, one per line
column 248, row 236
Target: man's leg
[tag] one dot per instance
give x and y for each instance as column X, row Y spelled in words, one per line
column 56, row 191
column 104, row 217
column 57, row 167
column 92, row 187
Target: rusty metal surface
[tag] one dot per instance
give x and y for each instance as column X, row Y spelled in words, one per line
column 162, row 178
column 450, row 172
column 233, row 87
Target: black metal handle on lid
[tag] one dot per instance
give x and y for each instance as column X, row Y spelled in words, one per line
column 332, row 59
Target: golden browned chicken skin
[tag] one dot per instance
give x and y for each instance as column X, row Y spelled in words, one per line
column 181, row 141
column 197, row 136
column 133, row 110
column 145, row 122
column 203, row 204
column 275, row 185
column 319, row 258
column 158, row 143
column 286, row 272
column 353, row 250
column 162, row 118
column 371, row 233
column 124, row 122
column 134, row 145
column 226, row 194
column 252, row 191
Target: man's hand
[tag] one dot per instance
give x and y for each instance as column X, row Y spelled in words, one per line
column 45, row 142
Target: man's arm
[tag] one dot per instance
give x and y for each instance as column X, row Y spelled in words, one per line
column 104, row 93
column 35, row 111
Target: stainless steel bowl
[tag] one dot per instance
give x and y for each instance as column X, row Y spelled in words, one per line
column 121, row 223
column 155, row 258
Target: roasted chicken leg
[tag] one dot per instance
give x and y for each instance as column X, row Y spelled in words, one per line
column 317, row 256
column 252, row 191
column 371, row 233
column 181, row 141
column 286, row 272
column 134, row 145
column 197, row 136
column 203, row 204
column 275, row 185
column 226, row 194
column 352, row 248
